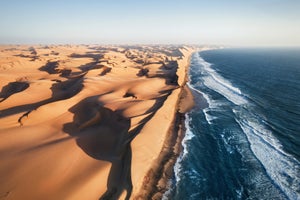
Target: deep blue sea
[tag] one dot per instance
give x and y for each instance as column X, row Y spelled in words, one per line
column 243, row 135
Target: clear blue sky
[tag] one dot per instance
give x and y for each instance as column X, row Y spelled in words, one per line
column 228, row 22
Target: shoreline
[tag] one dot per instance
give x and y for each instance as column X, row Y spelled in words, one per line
column 157, row 178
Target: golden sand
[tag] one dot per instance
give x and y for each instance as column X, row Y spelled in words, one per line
column 88, row 121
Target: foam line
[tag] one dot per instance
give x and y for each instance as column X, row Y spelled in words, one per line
column 282, row 168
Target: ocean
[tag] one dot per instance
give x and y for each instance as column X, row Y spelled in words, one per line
column 243, row 135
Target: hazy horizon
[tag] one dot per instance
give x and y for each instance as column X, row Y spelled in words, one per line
column 234, row 23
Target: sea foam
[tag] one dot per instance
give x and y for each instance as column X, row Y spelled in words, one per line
column 281, row 167
column 188, row 136
column 219, row 84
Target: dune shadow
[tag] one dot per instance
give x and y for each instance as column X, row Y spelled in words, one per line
column 105, row 70
column 50, row 67
column 33, row 57
column 94, row 56
column 12, row 88
column 102, row 134
column 60, row 91
column 169, row 74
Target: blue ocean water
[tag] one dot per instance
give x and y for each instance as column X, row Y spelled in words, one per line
column 243, row 135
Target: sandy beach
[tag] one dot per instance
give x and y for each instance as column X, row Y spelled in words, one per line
column 90, row 121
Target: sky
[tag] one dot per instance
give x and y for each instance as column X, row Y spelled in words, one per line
column 218, row 22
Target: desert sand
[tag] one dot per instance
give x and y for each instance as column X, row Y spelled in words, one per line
column 89, row 121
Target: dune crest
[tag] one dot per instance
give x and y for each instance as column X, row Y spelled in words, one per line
column 88, row 121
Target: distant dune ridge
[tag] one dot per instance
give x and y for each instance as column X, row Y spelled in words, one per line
column 90, row 122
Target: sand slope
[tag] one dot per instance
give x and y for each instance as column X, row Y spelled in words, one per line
column 85, row 122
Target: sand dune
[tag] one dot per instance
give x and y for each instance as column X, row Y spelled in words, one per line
column 88, row 121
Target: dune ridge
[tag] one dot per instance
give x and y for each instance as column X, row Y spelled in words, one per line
column 90, row 121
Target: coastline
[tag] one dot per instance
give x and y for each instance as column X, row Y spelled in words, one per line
column 156, row 181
